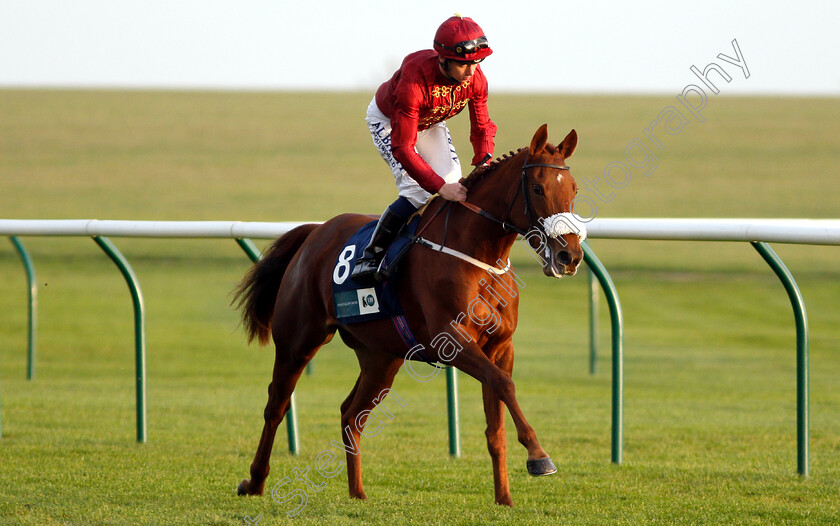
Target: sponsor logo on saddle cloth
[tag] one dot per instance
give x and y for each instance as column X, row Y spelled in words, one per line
column 358, row 302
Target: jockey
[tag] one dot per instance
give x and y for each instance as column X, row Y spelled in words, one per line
column 407, row 118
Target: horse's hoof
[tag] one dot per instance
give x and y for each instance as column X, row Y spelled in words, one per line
column 360, row 495
column 240, row 490
column 244, row 488
column 540, row 467
column 505, row 501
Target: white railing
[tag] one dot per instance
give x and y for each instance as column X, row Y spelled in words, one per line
column 170, row 229
column 800, row 231
column 803, row 231
column 758, row 232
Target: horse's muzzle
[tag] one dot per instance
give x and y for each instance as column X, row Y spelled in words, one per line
column 562, row 260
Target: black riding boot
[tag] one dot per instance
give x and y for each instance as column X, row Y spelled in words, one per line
column 385, row 233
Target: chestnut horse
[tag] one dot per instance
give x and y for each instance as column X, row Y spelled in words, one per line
column 288, row 295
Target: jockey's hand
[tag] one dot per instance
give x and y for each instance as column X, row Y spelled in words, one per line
column 453, row 192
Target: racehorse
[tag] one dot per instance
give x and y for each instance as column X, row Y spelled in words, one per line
column 288, row 296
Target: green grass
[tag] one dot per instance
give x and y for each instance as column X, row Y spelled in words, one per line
column 709, row 372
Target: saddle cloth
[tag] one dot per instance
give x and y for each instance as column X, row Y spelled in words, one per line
column 358, row 302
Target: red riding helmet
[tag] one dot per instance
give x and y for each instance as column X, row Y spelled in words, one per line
column 460, row 38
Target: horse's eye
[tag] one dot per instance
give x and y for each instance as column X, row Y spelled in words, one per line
column 538, row 189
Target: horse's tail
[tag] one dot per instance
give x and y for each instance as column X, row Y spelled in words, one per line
column 257, row 292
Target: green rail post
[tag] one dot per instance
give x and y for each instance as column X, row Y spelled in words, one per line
column 802, row 382
column 617, row 351
column 291, row 416
column 593, row 321
column 33, row 305
column 139, row 330
column 452, row 411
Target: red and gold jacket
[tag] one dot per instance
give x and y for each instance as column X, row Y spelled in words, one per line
column 419, row 96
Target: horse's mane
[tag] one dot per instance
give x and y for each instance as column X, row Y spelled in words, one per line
column 485, row 170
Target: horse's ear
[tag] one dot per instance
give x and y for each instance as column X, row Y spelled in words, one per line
column 569, row 144
column 539, row 140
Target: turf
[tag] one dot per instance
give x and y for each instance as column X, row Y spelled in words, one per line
column 709, row 373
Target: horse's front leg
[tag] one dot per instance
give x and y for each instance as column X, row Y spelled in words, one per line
column 472, row 361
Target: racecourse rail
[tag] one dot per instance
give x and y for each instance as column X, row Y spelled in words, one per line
column 758, row 232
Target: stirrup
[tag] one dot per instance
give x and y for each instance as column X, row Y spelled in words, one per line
column 383, row 274
column 387, row 230
column 365, row 269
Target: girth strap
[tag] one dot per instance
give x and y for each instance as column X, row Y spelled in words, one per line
column 415, row 349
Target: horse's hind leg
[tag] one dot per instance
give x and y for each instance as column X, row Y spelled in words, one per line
column 374, row 383
column 497, row 445
column 293, row 352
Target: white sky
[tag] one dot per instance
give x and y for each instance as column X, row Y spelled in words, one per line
column 581, row 46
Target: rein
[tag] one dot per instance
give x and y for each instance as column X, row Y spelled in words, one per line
column 507, row 226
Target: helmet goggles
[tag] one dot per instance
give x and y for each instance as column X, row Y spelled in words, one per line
column 467, row 46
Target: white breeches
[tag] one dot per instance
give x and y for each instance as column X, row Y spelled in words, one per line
column 434, row 145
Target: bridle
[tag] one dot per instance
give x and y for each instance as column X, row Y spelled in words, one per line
column 533, row 221
column 506, row 225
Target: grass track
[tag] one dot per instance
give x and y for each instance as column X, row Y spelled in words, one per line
column 710, row 406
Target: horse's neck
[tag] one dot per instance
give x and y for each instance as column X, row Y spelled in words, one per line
column 473, row 234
